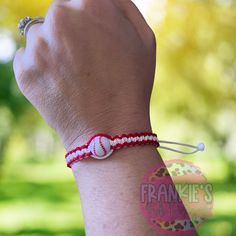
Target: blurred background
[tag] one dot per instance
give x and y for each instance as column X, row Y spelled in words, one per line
column 194, row 99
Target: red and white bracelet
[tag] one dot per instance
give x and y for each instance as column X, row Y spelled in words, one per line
column 101, row 146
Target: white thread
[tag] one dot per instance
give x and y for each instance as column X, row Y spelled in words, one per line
column 125, row 139
column 71, row 157
column 116, row 141
column 199, row 148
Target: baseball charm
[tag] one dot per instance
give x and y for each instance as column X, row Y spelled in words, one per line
column 100, row 147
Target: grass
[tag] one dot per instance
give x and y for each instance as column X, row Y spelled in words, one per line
column 39, row 199
column 42, row 199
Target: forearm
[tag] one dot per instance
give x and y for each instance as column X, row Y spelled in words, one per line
column 110, row 192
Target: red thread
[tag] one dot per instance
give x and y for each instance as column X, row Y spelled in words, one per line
column 133, row 135
column 78, row 158
column 77, row 149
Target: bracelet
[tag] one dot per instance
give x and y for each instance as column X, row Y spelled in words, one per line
column 101, row 146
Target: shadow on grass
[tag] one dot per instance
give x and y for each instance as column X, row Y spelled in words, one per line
column 49, row 192
column 228, row 187
column 45, row 232
column 222, row 225
column 62, row 191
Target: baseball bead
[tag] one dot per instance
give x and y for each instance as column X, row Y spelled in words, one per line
column 100, row 147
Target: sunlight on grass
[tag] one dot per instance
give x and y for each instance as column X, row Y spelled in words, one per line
column 42, row 172
column 222, row 228
column 31, row 214
column 41, row 198
column 225, row 203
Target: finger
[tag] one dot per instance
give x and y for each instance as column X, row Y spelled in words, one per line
column 78, row 4
column 55, row 5
column 32, row 32
column 97, row 5
column 60, row 1
column 132, row 13
column 56, row 16
column 18, row 61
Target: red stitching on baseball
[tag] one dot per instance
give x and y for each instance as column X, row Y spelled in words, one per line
column 103, row 148
column 94, row 148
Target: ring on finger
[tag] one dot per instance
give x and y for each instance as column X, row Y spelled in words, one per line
column 27, row 22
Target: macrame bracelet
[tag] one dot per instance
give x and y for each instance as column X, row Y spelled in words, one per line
column 101, row 146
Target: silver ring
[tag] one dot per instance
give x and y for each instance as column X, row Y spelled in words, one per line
column 27, row 22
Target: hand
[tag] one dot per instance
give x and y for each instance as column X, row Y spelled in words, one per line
column 89, row 68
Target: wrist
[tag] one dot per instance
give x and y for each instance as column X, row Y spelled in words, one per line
column 111, row 127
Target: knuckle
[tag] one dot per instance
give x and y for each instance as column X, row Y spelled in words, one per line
column 39, row 52
column 59, row 15
column 41, row 45
column 62, row 17
column 58, row 12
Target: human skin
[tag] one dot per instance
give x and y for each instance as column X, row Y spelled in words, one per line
column 90, row 69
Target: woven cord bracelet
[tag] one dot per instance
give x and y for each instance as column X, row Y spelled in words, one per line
column 101, row 146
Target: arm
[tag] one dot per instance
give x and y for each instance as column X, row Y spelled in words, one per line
column 88, row 69
column 110, row 192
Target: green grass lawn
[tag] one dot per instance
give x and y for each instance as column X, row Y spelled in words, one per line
column 223, row 221
column 41, row 198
